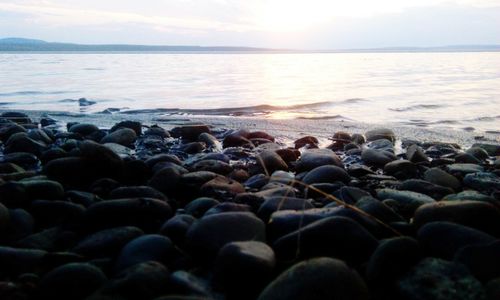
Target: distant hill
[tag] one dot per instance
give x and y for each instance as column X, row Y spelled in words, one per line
column 20, row 44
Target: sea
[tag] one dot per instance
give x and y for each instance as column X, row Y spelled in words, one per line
column 457, row 90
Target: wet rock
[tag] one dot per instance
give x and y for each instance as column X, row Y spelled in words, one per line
column 338, row 237
column 427, row 188
column 83, row 129
column 149, row 247
column 314, row 158
column 71, row 281
column 469, row 195
column 147, row 214
column 466, row 158
column 212, row 165
column 237, row 139
column 377, row 157
column 21, row 224
column 442, row 178
column 401, row 169
column 434, row 278
column 326, row 174
column 134, row 125
column 192, row 148
column 106, row 242
column 307, row 141
column 415, row 154
column 51, row 213
column 406, row 201
column 22, row 159
column 491, row 149
column 166, row 180
column 242, row 269
column 444, row 239
column 228, row 207
column 210, row 140
column 381, row 133
column 20, row 142
column 378, row 209
column 16, row 117
column 482, row 260
column 190, row 132
column 43, row 189
column 189, row 285
column 270, row 161
column 222, row 187
column 150, row 162
column 482, row 181
column 124, row 137
column 319, row 278
column 480, row 215
column 281, row 203
column 207, row 236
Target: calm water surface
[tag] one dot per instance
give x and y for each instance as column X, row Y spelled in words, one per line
column 423, row 89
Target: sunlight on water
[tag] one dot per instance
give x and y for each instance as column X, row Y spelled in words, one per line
column 422, row 89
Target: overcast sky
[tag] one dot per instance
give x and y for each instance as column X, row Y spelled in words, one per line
column 307, row 24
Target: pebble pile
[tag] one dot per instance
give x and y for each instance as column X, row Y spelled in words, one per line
column 197, row 212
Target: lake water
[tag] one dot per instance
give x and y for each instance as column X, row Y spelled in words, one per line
column 458, row 90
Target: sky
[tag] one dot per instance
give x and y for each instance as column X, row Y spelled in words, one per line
column 297, row 24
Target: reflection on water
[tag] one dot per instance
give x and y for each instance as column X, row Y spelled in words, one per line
column 454, row 89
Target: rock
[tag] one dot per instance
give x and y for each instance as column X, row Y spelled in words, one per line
column 43, row 189
column 444, row 239
column 166, row 180
column 184, row 283
column 136, row 192
column 493, row 289
column 380, row 133
column 150, row 162
column 407, row 201
column 479, row 215
column 401, row 169
column 228, row 207
column 52, row 213
column 212, row 165
column 16, row 261
column 381, row 144
column 210, row 140
column 281, row 203
column 207, row 236
column 319, row 278
column 377, row 157
column 442, row 178
column 435, row 278
column 9, row 129
column 466, row 158
column 242, row 269
column 270, row 161
column 482, row 260
column 307, row 141
column 17, row 117
column 192, row 148
column 464, row 169
column 20, row 142
column 314, row 158
column 71, row 281
column 427, row 188
column 257, row 181
column 237, row 139
column 22, row 159
column 106, row 242
column 189, row 132
column 147, row 214
column 149, row 247
column 491, row 149
column 326, row 174
column 141, row 281
column 177, row 227
column 124, row 137
column 338, row 237
column 83, row 129
column 21, row 224
column 199, row 206
column 378, row 210
column 85, row 102
column 4, row 217
column 134, row 125
column 469, row 195
column 392, row 259
column 482, row 181
column 415, row 154
column 222, row 187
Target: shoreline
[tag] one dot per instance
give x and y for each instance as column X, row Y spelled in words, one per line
column 285, row 130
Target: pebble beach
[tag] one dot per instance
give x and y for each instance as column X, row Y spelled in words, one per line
column 138, row 206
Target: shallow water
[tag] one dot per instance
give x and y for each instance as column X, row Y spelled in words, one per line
column 456, row 90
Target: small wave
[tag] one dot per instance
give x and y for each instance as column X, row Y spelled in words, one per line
column 93, row 69
column 416, row 107
column 4, row 103
column 335, row 117
column 31, row 93
column 486, row 118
